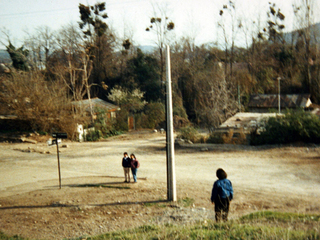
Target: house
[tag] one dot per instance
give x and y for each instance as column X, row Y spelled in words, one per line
column 238, row 127
column 246, row 121
column 97, row 103
column 261, row 103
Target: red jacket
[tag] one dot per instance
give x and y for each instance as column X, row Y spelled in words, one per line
column 135, row 163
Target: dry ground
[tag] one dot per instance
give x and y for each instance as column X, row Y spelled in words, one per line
column 94, row 199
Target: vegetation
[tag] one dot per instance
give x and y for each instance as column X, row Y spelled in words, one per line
column 259, row 225
column 211, row 82
column 188, row 133
column 233, row 137
column 294, row 126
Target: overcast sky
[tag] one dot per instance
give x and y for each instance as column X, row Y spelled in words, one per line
column 192, row 18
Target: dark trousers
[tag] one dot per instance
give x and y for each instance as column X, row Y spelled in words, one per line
column 221, row 207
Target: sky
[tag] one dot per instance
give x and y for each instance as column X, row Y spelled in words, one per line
column 193, row 18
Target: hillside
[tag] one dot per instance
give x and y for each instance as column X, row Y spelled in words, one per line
column 290, row 37
column 4, row 56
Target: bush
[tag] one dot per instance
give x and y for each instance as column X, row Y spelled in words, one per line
column 216, row 137
column 296, row 126
column 154, row 114
column 121, row 123
column 188, row 133
column 230, row 137
column 93, row 135
column 104, row 124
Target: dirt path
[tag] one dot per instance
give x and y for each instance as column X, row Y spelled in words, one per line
column 284, row 179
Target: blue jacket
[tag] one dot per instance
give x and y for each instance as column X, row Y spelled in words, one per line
column 223, row 189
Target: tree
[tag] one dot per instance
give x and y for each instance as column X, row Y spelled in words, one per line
column 275, row 26
column 130, row 103
column 41, row 45
column 144, row 71
column 98, row 43
column 200, row 81
column 18, row 57
column 214, row 96
column 229, row 39
column 304, row 15
column 160, row 25
column 41, row 103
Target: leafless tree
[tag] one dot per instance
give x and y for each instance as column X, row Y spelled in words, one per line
column 41, row 45
column 230, row 23
column 161, row 25
column 307, row 42
column 42, row 103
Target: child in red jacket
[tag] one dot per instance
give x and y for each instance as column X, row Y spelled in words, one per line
column 134, row 166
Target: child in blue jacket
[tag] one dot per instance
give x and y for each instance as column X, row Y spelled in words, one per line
column 222, row 194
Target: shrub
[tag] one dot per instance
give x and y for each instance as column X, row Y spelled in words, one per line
column 230, row 137
column 188, row 133
column 296, row 126
column 104, row 124
column 93, row 135
column 216, row 137
column 154, row 114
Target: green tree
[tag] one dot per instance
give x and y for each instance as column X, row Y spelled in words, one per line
column 18, row 57
column 98, row 44
column 144, row 70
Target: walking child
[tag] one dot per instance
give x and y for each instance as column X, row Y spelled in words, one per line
column 222, row 194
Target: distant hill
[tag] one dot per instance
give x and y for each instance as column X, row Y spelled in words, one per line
column 4, row 56
column 292, row 36
column 147, row 49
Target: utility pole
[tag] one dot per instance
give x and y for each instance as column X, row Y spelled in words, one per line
column 171, row 177
column 279, row 78
column 239, row 100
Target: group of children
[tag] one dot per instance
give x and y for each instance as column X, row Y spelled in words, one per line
column 130, row 163
column 221, row 195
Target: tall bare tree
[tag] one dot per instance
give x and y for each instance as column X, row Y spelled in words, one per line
column 161, row 25
column 304, row 14
column 230, row 24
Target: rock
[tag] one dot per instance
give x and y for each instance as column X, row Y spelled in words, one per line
column 64, row 146
column 204, row 149
column 23, row 139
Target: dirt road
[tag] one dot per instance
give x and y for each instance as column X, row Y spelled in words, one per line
column 277, row 178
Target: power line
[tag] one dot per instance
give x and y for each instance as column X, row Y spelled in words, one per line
column 35, row 12
column 123, row 3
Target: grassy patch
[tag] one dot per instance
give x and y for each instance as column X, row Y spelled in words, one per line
column 247, row 227
column 259, row 225
column 102, row 186
column 280, row 217
column 186, row 202
column 5, row 237
column 159, row 204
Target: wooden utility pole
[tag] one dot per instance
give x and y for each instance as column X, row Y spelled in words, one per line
column 171, row 177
